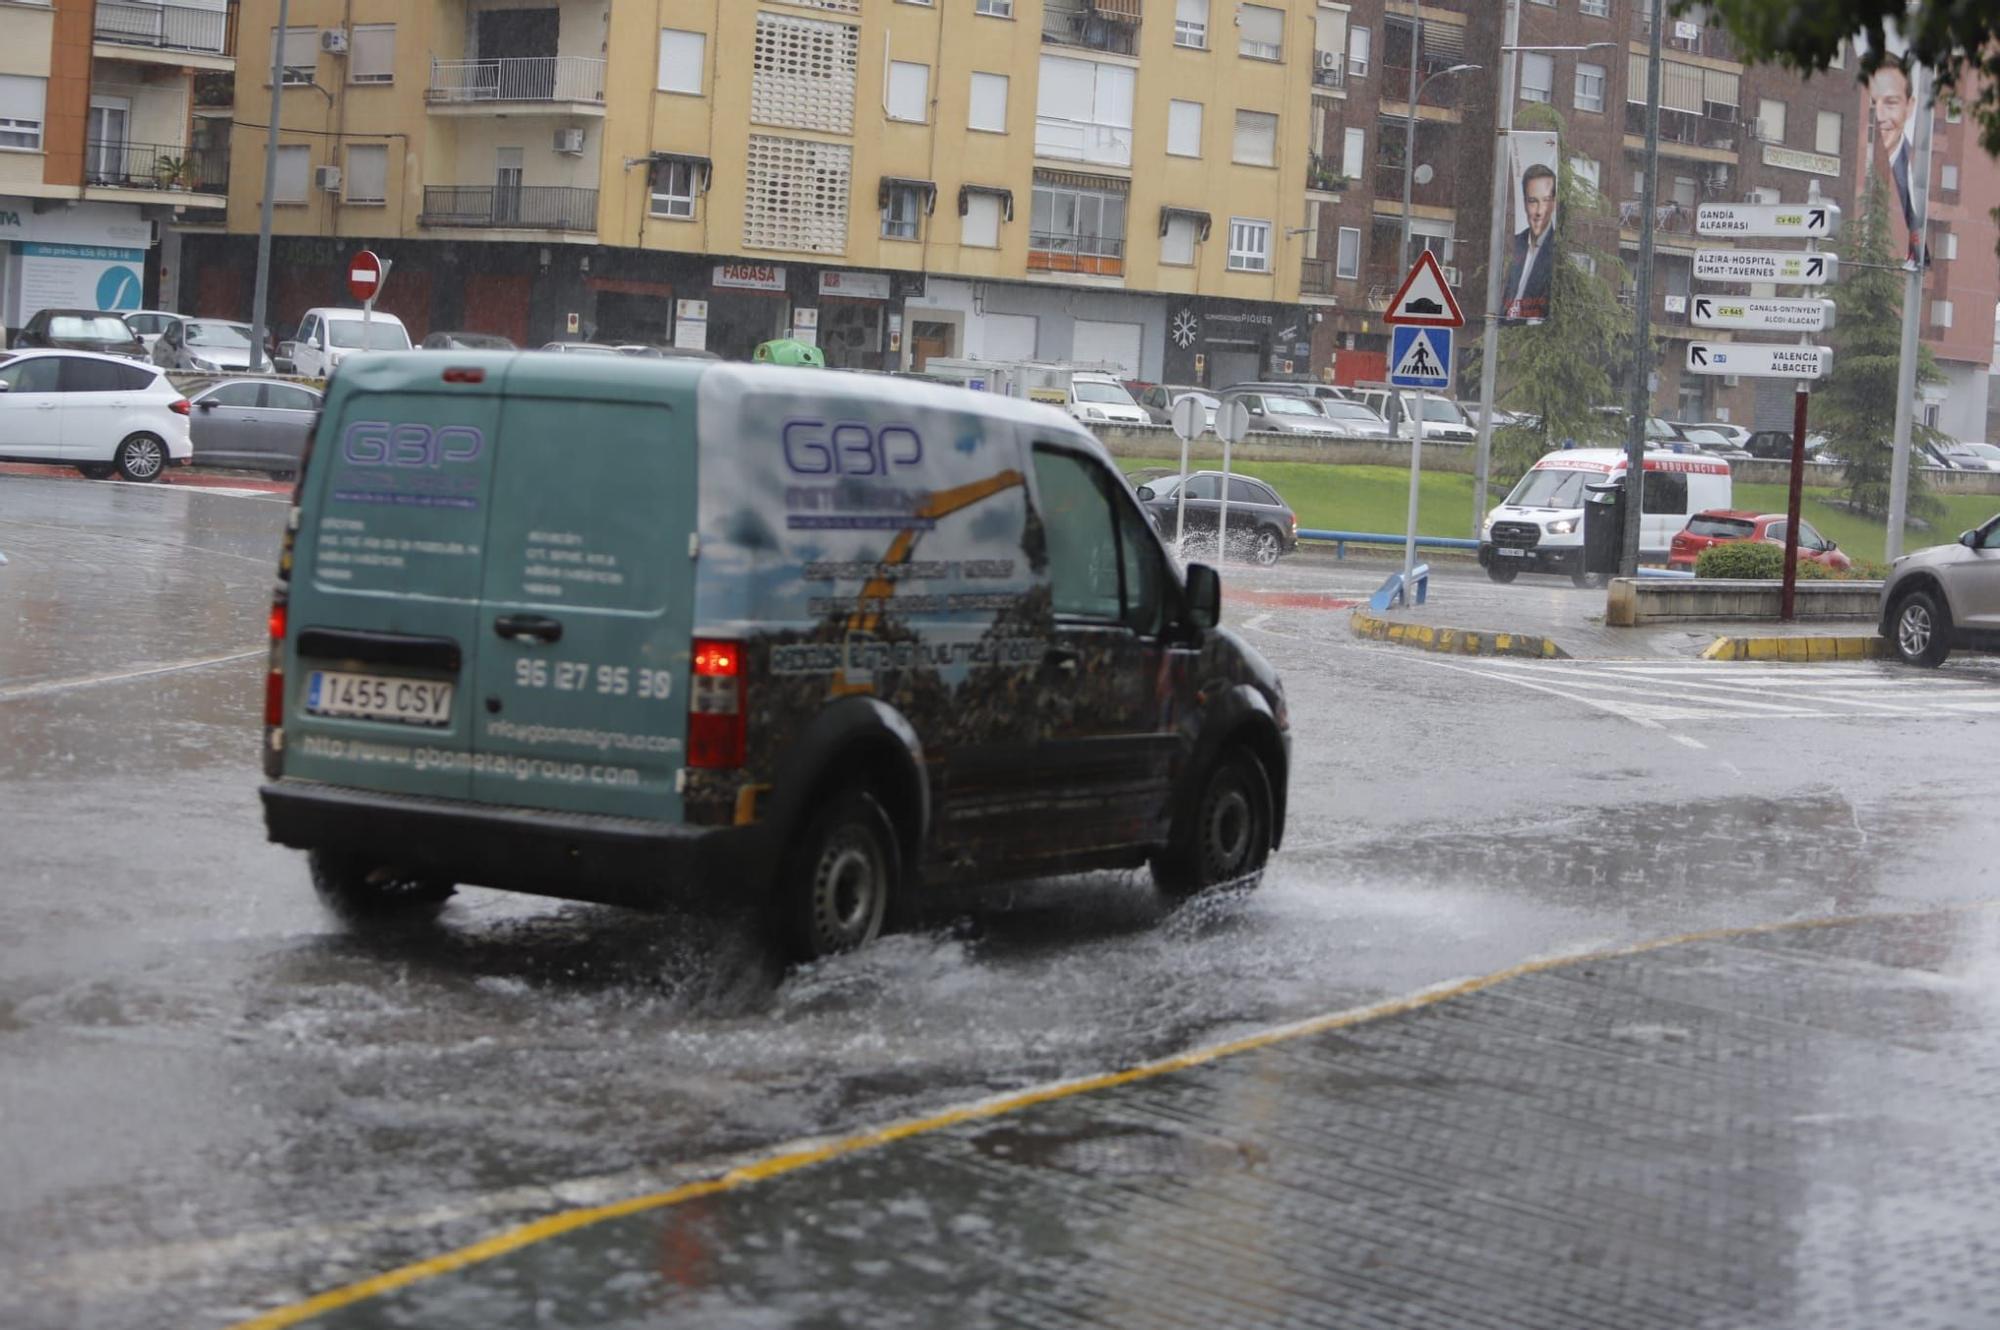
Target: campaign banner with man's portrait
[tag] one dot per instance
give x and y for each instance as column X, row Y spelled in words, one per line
column 1893, row 117
column 1532, row 163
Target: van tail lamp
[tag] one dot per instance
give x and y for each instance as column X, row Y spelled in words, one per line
column 180, row 407
column 718, row 719
column 274, row 672
column 463, row 374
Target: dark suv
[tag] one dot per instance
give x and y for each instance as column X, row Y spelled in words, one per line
column 81, row 330
column 1262, row 526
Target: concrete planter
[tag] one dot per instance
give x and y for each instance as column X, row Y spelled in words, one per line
column 1636, row 601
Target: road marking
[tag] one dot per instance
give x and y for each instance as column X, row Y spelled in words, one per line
column 804, row 1154
column 1721, row 690
column 27, row 690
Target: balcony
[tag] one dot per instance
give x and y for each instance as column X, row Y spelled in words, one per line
column 170, row 168
column 1111, row 26
column 504, row 208
column 1329, row 70
column 1316, row 277
column 1439, row 193
column 1067, row 252
column 573, row 83
column 164, row 27
column 1323, row 175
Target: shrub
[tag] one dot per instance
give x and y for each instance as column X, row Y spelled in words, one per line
column 1741, row 560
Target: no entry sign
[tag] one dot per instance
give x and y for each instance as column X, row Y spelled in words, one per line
column 364, row 276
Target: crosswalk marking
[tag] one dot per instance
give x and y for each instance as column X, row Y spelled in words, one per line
column 1654, row 692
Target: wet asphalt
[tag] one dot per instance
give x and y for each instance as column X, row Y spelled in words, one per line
column 213, row 1098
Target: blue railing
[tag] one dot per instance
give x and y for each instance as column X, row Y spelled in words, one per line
column 1342, row 539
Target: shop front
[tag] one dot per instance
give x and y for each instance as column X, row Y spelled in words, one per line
column 79, row 256
column 1215, row 343
column 853, row 317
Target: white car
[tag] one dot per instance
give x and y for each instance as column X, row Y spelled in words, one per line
column 328, row 336
column 97, row 413
column 1098, row 398
column 206, row 346
column 149, row 323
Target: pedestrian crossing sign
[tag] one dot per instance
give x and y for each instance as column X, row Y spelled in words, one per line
column 1420, row 358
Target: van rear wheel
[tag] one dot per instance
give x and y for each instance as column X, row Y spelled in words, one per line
column 359, row 890
column 838, row 878
column 1224, row 839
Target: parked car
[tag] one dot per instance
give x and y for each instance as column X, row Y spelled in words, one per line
column 1355, row 420
column 96, row 330
column 467, row 341
column 1262, row 526
column 1974, row 457
column 329, row 335
column 1444, row 420
column 1945, row 599
column 204, row 345
column 148, row 323
column 1698, row 439
column 1101, row 397
column 1158, row 400
column 1285, row 413
column 580, row 348
column 1296, row 387
column 1775, row 445
column 253, row 424
column 1720, row 526
column 653, row 351
column 100, row 414
column 1736, row 434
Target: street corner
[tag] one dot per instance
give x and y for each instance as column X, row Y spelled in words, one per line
column 1800, row 647
column 1455, row 641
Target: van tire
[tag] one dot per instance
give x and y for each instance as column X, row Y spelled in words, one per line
column 360, row 891
column 141, row 458
column 1503, row 573
column 839, row 875
column 1224, row 837
column 1920, row 630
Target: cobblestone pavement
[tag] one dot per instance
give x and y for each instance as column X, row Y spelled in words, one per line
column 1794, row 1127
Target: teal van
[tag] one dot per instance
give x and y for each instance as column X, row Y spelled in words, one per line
column 634, row 631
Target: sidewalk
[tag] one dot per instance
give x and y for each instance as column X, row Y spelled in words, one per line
column 1790, row 1126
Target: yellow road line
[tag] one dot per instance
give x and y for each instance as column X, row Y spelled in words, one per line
column 792, row 1159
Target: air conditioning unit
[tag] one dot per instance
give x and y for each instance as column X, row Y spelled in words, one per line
column 333, row 41
column 1328, row 59
column 1451, row 276
column 1676, row 304
column 327, row 178
column 569, row 141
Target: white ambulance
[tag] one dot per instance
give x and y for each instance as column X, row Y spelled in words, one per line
column 1540, row 526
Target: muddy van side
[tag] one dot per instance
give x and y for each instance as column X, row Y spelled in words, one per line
column 627, row 631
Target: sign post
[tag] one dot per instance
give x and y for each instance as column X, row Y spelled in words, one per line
column 1423, row 319
column 1232, row 422
column 367, row 273
column 1189, row 417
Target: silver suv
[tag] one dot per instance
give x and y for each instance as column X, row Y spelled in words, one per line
column 1945, row 597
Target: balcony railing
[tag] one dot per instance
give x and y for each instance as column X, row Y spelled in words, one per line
column 1389, row 185
column 1673, row 218
column 1316, row 277
column 1329, row 69
column 515, row 207
column 1102, row 256
column 166, row 27
column 1101, row 25
column 118, row 164
column 534, row 78
column 1323, row 174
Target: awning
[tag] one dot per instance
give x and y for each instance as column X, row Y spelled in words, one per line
column 925, row 188
column 1109, row 184
column 704, row 168
column 1195, row 215
column 1006, row 197
column 1125, row 11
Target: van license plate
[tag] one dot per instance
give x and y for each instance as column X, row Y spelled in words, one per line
column 379, row 697
column 1506, row 553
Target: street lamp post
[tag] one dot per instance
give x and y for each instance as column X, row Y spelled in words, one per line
column 1410, row 133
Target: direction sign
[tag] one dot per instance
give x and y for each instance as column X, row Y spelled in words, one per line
column 1759, row 361
column 1804, row 221
column 1765, row 315
column 1420, row 358
column 1796, row 268
column 1425, row 299
column 364, row 275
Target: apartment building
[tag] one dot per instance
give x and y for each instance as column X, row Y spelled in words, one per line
column 1113, row 181
column 1962, row 286
column 103, row 152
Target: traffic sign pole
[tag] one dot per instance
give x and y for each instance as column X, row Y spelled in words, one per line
column 1795, row 497
column 1416, row 469
column 1188, row 416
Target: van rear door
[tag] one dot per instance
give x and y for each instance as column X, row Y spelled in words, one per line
column 587, row 609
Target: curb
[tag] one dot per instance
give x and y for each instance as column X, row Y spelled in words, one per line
column 1455, row 641
column 1821, row 647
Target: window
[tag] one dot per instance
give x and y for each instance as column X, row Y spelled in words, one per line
column 289, row 397
column 1948, row 178
column 1083, row 111
column 32, row 376
column 909, row 91
column 1663, row 492
column 1950, row 245
column 367, row 178
column 994, row 8
column 980, row 227
column 1260, row 32
column 1686, row 192
column 1249, row 245
column 294, row 167
column 683, row 55
column 1770, row 120
column 236, row 394
column 21, row 111
column 675, row 184
column 1586, row 169
column 1076, row 229
column 1941, row 313
column 1191, row 24
column 300, row 53
column 371, row 56
column 1358, row 47
column 1353, row 144
column 1347, row 252
column 1177, row 245
column 1183, row 129
column 989, row 103
column 1826, row 135
column 795, row 194
column 1085, row 570
column 1256, row 138
column 1589, row 87
column 81, row 375
column 1538, row 77
column 1594, row 8
column 902, row 213
column 803, row 73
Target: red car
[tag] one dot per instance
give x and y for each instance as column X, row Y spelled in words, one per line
column 1719, row 526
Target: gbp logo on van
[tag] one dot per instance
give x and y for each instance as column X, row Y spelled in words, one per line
column 849, row 448
column 380, row 443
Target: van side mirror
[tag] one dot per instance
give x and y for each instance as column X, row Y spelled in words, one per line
column 1204, row 597
column 1970, row 540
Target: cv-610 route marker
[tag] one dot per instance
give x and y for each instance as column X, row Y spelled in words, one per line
column 1762, row 314
column 1805, row 221
column 1793, row 268
column 1756, row 361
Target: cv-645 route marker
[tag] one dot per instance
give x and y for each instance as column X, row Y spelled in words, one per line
column 1765, row 314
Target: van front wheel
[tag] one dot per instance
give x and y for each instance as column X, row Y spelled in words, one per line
column 360, row 891
column 1502, row 573
column 837, row 880
column 1225, row 838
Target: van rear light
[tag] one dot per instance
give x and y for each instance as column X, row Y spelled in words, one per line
column 180, row 407
column 718, row 719
column 465, row 375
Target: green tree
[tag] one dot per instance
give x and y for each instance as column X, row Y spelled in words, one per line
column 1960, row 39
column 1856, row 407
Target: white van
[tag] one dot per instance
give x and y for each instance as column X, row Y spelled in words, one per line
column 328, row 336
column 1539, row 527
